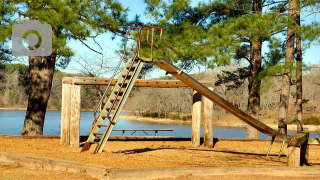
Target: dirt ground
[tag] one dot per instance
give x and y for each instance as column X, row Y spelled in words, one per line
column 147, row 154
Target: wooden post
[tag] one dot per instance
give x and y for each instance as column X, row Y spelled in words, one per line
column 65, row 114
column 196, row 118
column 298, row 149
column 207, row 121
column 75, row 116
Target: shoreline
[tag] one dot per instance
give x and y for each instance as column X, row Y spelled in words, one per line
column 291, row 127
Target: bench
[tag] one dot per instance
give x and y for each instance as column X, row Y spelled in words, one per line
column 143, row 130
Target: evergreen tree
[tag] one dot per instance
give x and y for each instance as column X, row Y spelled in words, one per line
column 227, row 30
column 298, row 71
column 78, row 20
column 6, row 9
column 286, row 77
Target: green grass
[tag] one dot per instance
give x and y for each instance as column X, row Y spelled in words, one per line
column 312, row 120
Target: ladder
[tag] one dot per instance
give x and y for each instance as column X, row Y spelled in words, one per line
column 108, row 116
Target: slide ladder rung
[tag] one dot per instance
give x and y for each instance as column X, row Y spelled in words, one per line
column 114, row 104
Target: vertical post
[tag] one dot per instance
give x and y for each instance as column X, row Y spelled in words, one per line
column 293, row 156
column 298, row 149
column 75, row 116
column 207, row 121
column 65, row 114
column 196, row 118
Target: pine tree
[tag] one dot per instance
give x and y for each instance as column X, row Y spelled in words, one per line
column 228, row 30
column 78, row 20
column 6, row 9
column 298, row 71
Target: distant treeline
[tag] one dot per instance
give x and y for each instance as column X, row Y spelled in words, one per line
column 161, row 102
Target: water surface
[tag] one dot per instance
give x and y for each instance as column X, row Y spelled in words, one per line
column 11, row 122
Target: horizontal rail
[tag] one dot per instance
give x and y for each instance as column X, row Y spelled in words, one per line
column 142, row 130
column 138, row 82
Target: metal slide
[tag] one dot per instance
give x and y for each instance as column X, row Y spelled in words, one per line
column 174, row 71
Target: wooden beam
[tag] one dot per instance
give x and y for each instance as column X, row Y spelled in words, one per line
column 65, row 114
column 298, row 139
column 196, row 118
column 75, row 116
column 298, row 149
column 207, row 119
column 138, row 82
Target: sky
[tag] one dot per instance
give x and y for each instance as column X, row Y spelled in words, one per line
column 311, row 56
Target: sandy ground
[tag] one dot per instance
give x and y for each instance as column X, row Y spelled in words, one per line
column 147, row 154
column 15, row 172
column 241, row 177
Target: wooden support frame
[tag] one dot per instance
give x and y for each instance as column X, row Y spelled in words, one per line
column 207, row 121
column 298, row 149
column 71, row 106
column 138, row 82
column 196, row 118
column 70, row 115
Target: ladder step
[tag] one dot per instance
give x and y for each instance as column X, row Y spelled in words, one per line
column 120, row 93
column 128, row 76
column 97, row 134
column 124, row 84
column 103, row 125
column 128, row 66
column 110, row 108
column 114, row 98
column 106, row 117
column 117, row 88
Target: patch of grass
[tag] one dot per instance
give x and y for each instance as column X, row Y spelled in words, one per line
column 153, row 114
column 178, row 117
column 312, row 120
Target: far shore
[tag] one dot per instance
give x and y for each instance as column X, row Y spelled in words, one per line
column 291, row 127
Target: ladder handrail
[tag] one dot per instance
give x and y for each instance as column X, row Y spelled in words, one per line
column 114, row 73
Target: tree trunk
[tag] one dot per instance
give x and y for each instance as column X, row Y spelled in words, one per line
column 40, row 75
column 286, row 79
column 299, row 73
column 254, row 88
column 254, row 82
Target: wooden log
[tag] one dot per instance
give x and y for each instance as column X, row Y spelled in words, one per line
column 65, row 114
column 207, row 119
column 298, row 139
column 40, row 162
column 298, row 149
column 75, row 116
column 196, row 118
column 138, row 82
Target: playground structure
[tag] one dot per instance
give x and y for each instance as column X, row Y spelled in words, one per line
column 297, row 144
column 71, row 106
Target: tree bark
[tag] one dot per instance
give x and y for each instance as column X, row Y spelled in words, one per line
column 299, row 72
column 254, row 88
column 286, row 79
column 254, row 82
column 40, row 74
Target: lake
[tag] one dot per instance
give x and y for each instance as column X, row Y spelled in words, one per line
column 11, row 122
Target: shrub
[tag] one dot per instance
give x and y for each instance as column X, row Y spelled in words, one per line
column 312, row 120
